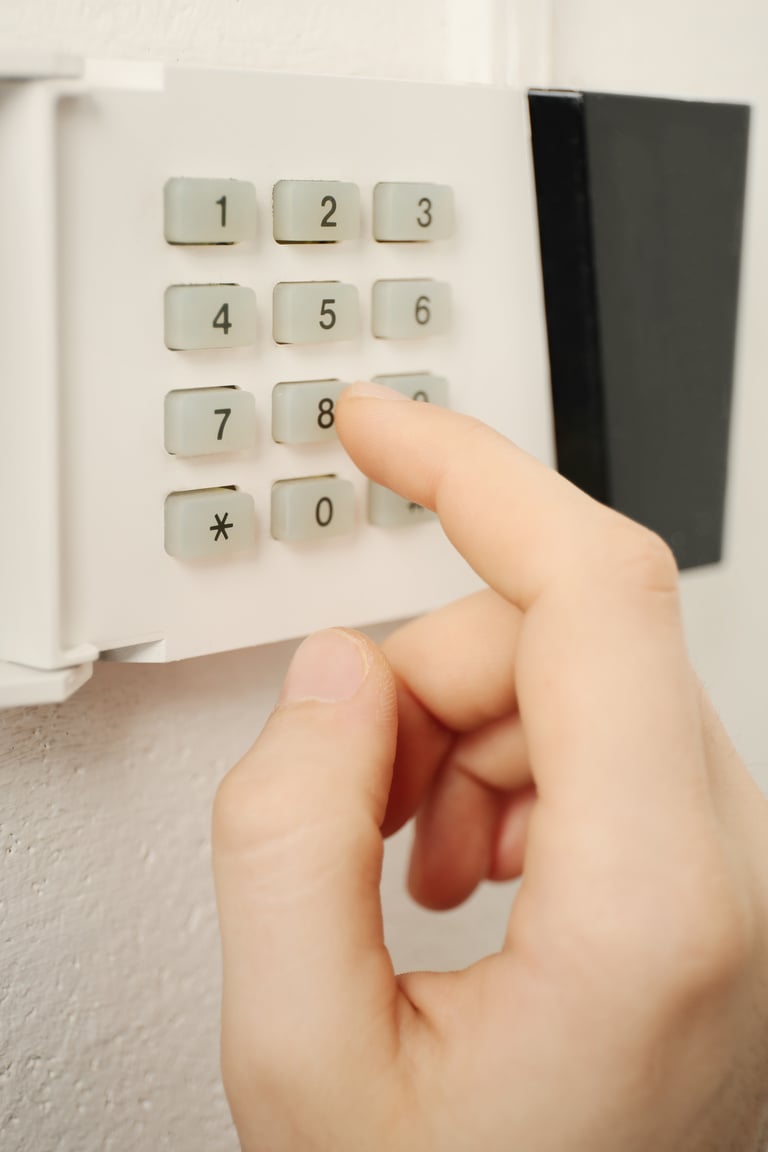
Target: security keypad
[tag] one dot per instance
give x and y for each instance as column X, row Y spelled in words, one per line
column 214, row 522
column 313, row 508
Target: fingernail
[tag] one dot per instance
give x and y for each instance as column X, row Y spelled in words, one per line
column 375, row 391
column 329, row 666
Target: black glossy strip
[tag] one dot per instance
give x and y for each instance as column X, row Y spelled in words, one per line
column 567, row 252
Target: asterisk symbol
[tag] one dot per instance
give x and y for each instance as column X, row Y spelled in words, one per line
column 221, row 526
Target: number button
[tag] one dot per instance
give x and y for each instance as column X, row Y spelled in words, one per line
column 304, row 411
column 388, row 510
column 409, row 213
column 315, row 211
column 315, row 313
column 200, row 211
column 207, row 421
column 209, row 316
column 209, row 522
column 404, row 309
column 419, row 386
column 314, row 508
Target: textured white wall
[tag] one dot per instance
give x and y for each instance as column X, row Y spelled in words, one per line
column 108, row 948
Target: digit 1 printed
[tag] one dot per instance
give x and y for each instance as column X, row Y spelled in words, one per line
column 324, row 511
column 222, row 204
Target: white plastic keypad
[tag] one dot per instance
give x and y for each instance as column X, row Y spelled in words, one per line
column 190, row 302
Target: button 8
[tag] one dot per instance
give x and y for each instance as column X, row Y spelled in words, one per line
column 304, row 412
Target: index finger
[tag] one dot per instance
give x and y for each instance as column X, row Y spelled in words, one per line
column 604, row 686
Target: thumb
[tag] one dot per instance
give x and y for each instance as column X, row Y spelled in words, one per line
column 297, row 853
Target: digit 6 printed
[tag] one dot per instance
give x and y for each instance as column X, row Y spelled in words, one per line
column 422, row 311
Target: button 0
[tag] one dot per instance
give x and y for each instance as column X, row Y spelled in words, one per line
column 313, row 508
column 388, row 510
column 317, row 312
column 207, row 421
column 209, row 522
column 315, row 211
column 412, row 212
column 304, row 411
column 407, row 309
column 202, row 211
column 209, row 316
column 419, row 386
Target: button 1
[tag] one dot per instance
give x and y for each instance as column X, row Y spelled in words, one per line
column 315, row 313
column 209, row 316
column 419, row 386
column 413, row 212
column 209, row 522
column 304, row 412
column 201, row 211
column 313, row 508
column 205, row 421
column 315, row 211
column 388, row 510
column 404, row 309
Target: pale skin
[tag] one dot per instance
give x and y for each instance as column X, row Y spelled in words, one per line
column 550, row 727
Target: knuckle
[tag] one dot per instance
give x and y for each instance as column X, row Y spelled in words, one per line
column 641, row 558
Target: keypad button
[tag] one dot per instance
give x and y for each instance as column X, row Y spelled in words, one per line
column 209, row 316
column 413, row 212
column 313, row 508
column 201, row 211
column 317, row 312
column 205, row 421
column 315, row 211
column 209, row 522
column 386, row 509
column 406, row 309
column 304, row 411
column 419, row 386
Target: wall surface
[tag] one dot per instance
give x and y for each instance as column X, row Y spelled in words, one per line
column 108, row 944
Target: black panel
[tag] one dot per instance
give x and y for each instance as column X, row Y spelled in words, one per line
column 640, row 213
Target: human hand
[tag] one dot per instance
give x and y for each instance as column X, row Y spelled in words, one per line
column 551, row 726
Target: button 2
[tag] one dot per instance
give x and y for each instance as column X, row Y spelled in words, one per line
column 208, row 421
column 312, row 508
column 209, row 522
column 209, row 316
column 315, row 211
